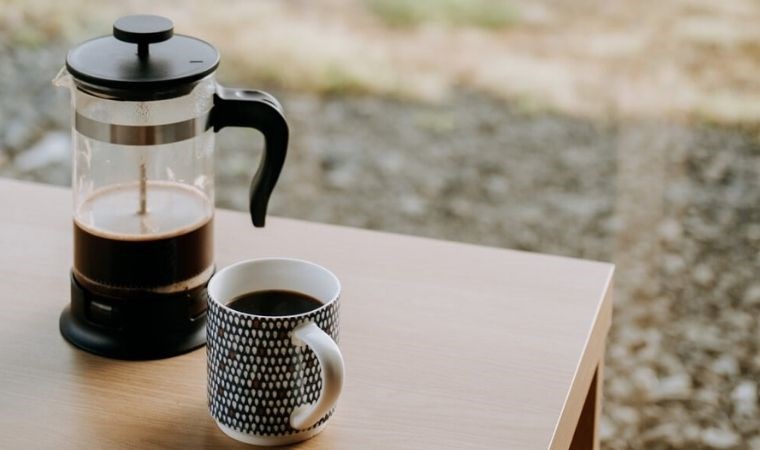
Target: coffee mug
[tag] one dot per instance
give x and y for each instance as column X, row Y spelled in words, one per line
column 273, row 380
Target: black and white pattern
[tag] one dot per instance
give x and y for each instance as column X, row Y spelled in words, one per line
column 256, row 375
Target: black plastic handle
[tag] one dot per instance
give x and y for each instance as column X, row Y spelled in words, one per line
column 259, row 110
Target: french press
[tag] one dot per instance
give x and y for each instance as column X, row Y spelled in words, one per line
column 145, row 108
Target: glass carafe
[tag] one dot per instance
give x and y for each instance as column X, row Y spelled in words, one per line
column 143, row 119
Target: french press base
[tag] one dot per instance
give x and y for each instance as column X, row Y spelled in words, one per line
column 149, row 326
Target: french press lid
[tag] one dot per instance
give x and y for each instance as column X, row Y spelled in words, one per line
column 143, row 60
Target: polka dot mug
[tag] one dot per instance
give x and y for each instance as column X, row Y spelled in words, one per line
column 273, row 380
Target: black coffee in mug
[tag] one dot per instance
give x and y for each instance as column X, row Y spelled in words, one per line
column 274, row 303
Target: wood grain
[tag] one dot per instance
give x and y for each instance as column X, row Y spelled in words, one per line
column 446, row 345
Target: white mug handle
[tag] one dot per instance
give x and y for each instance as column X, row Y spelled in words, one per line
column 331, row 362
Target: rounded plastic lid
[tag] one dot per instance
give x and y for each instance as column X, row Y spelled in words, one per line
column 143, row 60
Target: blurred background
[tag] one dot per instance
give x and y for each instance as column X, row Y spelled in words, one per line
column 624, row 131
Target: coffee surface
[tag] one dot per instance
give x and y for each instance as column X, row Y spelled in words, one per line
column 274, row 303
column 171, row 209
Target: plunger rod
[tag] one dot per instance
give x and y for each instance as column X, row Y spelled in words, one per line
column 143, row 189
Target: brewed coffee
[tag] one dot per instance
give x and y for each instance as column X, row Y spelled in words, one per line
column 169, row 247
column 274, row 303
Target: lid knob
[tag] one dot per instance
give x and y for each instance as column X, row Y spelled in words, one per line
column 143, row 29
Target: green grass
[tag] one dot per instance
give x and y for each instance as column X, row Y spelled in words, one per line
column 489, row 14
column 36, row 23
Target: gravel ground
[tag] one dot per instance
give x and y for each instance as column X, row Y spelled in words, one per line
column 676, row 207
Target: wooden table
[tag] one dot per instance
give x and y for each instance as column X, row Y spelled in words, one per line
column 446, row 345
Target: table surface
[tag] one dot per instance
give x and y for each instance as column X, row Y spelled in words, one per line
column 446, row 345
